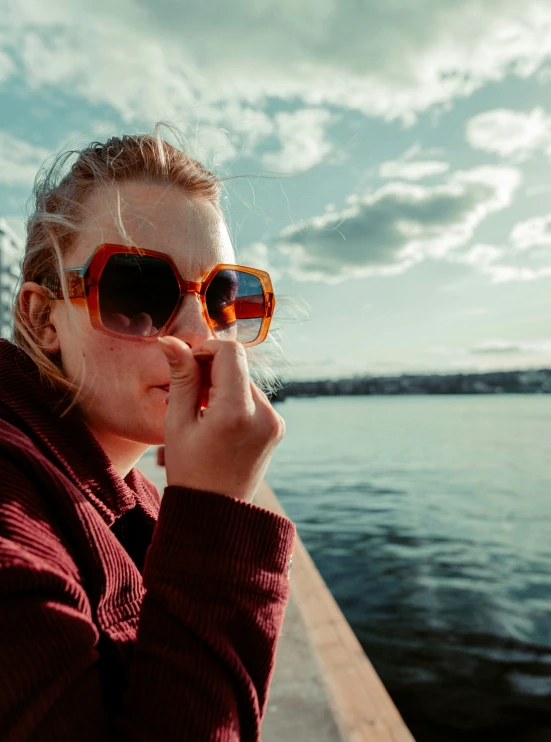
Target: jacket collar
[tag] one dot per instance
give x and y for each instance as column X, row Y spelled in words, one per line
column 36, row 408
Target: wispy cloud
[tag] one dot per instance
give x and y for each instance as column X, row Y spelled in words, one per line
column 302, row 139
column 480, row 255
column 7, row 67
column 418, row 170
column 512, row 271
column 492, row 347
column 524, row 256
column 257, row 254
column 512, row 134
column 412, row 166
column 397, row 226
column 212, row 145
column 535, row 232
column 19, row 160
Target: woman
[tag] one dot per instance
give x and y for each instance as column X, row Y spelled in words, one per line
column 124, row 617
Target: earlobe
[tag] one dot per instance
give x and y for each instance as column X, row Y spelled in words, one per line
column 36, row 307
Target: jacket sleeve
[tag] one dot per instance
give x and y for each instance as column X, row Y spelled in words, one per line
column 216, row 588
column 216, row 579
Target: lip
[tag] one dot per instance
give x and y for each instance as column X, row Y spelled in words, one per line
column 164, row 387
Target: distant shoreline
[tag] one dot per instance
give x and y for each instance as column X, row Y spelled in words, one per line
column 494, row 382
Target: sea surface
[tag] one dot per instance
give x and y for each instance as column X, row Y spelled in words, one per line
column 429, row 518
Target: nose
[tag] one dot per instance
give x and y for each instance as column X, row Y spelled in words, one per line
column 190, row 324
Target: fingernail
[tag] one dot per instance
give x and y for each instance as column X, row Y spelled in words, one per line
column 169, row 350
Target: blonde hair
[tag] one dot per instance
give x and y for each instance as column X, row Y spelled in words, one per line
column 60, row 196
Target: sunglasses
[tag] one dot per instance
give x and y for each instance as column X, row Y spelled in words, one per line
column 135, row 294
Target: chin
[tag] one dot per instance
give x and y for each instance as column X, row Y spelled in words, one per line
column 148, row 438
column 150, row 429
column 146, row 435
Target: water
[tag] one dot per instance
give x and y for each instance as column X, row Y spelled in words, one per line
column 430, row 520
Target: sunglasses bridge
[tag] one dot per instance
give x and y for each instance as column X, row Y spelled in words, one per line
column 191, row 287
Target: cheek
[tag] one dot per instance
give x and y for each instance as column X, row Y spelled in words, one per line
column 74, row 335
column 110, row 364
column 107, row 368
column 90, row 357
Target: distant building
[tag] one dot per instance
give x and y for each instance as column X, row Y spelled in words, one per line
column 10, row 256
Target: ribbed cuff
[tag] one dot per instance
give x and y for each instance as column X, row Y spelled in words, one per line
column 210, row 535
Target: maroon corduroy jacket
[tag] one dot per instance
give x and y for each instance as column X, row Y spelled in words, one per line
column 124, row 617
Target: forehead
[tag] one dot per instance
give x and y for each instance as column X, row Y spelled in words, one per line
column 155, row 217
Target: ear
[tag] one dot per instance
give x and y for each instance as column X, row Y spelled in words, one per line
column 35, row 306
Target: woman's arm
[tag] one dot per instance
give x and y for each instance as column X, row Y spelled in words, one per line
column 217, row 584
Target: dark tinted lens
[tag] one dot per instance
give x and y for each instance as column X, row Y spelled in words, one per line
column 236, row 305
column 137, row 294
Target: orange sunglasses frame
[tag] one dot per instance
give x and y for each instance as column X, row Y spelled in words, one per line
column 83, row 283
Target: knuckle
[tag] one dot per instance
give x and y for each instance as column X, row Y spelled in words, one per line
column 274, row 425
column 229, row 349
column 181, row 377
column 236, row 347
column 177, row 381
column 241, row 354
column 281, row 428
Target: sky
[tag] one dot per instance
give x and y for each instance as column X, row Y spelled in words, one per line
column 389, row 164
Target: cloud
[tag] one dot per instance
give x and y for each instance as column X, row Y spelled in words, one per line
column 212, row 146
column 407, row 167
column 257, row 255
column 216, row 134
column 302, row 137
column 7, row 67
column 492, row 347
column 515, row 266
column 250, row 123
column 525, row 256
column 19, row 160
column 412, row 170
column 132, row 72
column 397, row 226
column 480, row 255
column 535, row 232
column 164, row 60
column 510, row 133
column 509, row 272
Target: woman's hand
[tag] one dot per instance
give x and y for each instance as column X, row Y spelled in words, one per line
column 226, row 447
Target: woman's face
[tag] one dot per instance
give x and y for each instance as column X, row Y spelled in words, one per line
column 121, row 379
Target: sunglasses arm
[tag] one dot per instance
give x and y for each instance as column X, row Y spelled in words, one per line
column 75, row 284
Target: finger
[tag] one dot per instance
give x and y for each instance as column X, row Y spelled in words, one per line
column 184, row 376
column 230, row 378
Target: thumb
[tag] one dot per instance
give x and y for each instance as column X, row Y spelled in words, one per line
column 184, row 375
